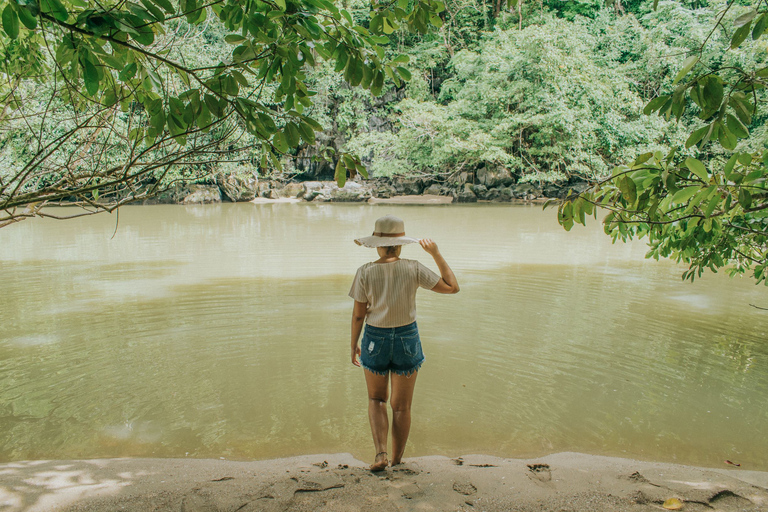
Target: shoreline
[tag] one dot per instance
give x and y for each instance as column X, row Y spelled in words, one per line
column 563, row 481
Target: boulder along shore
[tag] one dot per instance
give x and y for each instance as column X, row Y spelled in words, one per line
column 466, row 188
column 561, row 482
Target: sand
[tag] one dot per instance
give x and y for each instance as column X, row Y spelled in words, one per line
column 562, row 482
column 420, row 199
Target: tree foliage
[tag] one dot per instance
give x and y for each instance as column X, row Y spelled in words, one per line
column 126, row 100
column 705, row 203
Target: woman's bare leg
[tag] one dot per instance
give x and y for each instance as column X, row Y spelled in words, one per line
column 402, row 396
column 377, row 415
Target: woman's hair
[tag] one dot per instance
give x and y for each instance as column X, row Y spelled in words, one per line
column 392, row 250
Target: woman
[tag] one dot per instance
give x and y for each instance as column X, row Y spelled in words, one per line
column 385, row 292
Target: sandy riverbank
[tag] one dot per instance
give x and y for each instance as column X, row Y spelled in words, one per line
column 561, row 482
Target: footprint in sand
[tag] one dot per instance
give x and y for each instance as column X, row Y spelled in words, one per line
column 540, row 472
column 465, row 488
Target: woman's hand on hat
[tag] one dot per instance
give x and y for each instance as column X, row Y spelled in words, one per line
column 429, row 245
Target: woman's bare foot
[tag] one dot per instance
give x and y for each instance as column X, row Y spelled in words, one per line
column 380, row 463
column 396, row 462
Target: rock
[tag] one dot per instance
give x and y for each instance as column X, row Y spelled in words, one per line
column 291, row 190
column 269, row 194
column 463, row 177
column 493, row 194
column 384, row 190
column 522, row 190
column 350, row 192
column 312, row 189
column 434, row 190
column 309, row 162
column 466, row 195
column 578, row 187
column 171, row 195
column 238, row 188
column 552, row 190
column 263, row 187
column 480, row 191
column 202, row 194
column 494, row 177
column 407, row 187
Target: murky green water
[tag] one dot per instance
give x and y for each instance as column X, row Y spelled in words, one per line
column 222, row 331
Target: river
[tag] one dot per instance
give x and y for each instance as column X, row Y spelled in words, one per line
column 223, row 331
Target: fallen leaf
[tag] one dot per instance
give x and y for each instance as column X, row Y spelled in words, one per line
column 673, row 504
column 732, row 463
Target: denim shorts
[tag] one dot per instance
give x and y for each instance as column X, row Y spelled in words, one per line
column 396, row 349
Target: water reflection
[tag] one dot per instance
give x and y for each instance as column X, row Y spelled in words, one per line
column 222, row 332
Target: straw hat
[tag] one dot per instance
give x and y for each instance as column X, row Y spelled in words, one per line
column 389, row 231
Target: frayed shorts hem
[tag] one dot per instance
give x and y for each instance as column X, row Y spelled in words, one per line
column 406, row 373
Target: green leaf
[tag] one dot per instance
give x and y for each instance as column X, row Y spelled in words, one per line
column 307, row 133
column 314, row 124
column 166, row 5
column 729, row 166
column 696, row 136
column 685, row 194
column 234, row 38
column 340, row 174
column 10, row 22
column 697, row 168
column 736, row 127
column 156, row 12
column 377, row 83
column 386, row 26
column 655, row 104
column 565, row 215
column 727, row 139
column 739, row 36
column 292, row 135
column 742, row 107
column 27, row 18
column 128, row 72
column 745, row 158
column 275, row 161
column 641, row 159
column 404, row 73
column 55, row 9
column 280, row 143
column 90, row 76
column 280, row 4
column 759, row 26
column 712, row 205
column 687, row 66
column 745, row 18
column 268, row 122
column 628, row 189
column 745, row 198
column 713, row 92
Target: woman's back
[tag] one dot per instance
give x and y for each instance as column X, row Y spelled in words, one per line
column 390, row 290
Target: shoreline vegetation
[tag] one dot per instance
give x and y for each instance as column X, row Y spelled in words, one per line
column 564, row 481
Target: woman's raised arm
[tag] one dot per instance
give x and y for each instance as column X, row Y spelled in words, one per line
column 448, row 283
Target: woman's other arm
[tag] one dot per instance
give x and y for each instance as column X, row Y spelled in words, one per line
column 448, row 283
column 358, row 317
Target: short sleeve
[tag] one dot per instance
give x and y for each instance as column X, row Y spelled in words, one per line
column 357, row 291
column 427, row 278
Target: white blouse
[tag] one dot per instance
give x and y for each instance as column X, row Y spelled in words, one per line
column 390, row 290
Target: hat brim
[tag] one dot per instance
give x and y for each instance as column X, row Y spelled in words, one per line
column 385, row 241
